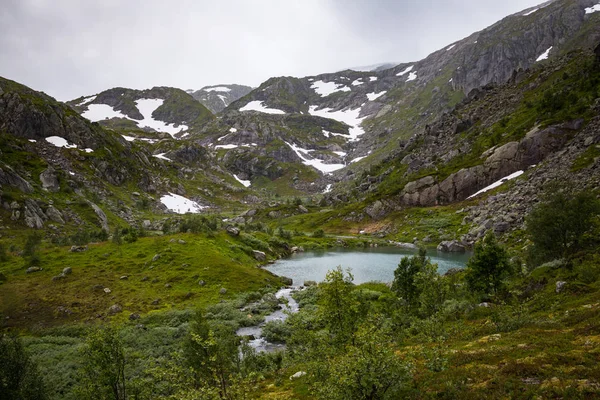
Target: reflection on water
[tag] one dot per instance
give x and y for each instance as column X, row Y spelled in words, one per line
column 373, row 264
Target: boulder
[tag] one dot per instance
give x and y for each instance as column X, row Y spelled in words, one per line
column 259, row 255
column 452, row 246
column 54, row 215
column 78, row 249
column 560, row 286
column 33, row 269
column 302, row 209
column 201, row 283
column 67, row 271
column 134, row 317
column 49, row 180
column 222, row 291
column 286, row 281
column 115, row 309
column 156, row 257
column 232, row 230
column 297, row 375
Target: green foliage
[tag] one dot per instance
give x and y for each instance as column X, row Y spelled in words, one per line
column 32, row 244
column 405, row 278
column 586, row 158
column 558, row 225
column 3, row 254
column 19, row 376
column 199, row 224
column 276, row 331
column 103, row 370
column 367, row 369
column 117, row 237
column 338, row 305
column 489, row 267
column 319, row 233
column 282, row 233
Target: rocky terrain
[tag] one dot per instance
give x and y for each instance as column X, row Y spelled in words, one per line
column 217, row 97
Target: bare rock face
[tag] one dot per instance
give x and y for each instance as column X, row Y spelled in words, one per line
column 8, row 177
column 49, row 180
column 34, row 216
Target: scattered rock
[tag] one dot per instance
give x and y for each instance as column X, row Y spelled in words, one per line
column 302, row 209
column 201, row 283
column 560, row 285
column 297, row 375
column 222, row 291
column 453, row 246
column 78, row 249
column 67, row 271
column 124, row 278
column 141, row 326
column 155, row 302
column 97, row 287
column 144, row 279
column 33, row 269
column 115, row 309
column 134, row 317
column 58, row 277
column 259, row 255
column 167, row 285
column 107, row 290
column 485, row 304
column 181, row 241
column 233, row 231
column 156, row 257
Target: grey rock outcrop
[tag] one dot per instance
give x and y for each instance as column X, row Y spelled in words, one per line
column 49, row 180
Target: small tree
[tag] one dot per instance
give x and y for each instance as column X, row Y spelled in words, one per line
column 488, row 267
column 338, row 308
column 103, row 371
column 19, row 377
column 404, row 284
column 558, row 224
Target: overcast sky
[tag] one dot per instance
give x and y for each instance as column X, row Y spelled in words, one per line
column 70, row 48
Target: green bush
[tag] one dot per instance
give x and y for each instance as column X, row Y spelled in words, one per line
column 489, row 267
column 19, row 376
column 319, row 233
column 276, row 331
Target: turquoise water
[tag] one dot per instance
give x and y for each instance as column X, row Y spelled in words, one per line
column 373, row 264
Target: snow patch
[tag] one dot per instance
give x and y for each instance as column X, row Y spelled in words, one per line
column 223, row 99
column 232, row 130
column 340, row 153
column 592, row 9
column 497, row 183
column 411, row 77
column 544, row 55
column 349, row 117
column 327, row 189
column 128, row 138
column 373, row 78
column 374, row 96
column 227, row 146
column 88, row 99
column 180, row 204
column 218, row 89
column 32, row 140
column 147, row 107
column 357, row 82
column 60, row 142
column 406, row 71
column 88, row 150
column 357, row 159
column 450, row 47
column 161, row 156
column 530, row 12
column 324, row 89
column 315, row 162
column 246, row 183
column 258, row 105
column 99, row 112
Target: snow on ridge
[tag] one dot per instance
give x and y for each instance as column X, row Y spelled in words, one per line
column 530, row 12
column 592, row 9
column 161, row 156
column 99, row 112
column 357, row 159
column 259, row 106
column 315, row 162
column 128, row 138
column 411, row 77
column 324, row 89
column 246, row 183
column 450, row 47
column 406, row 71
column 349, row 117
column 497, row 183
column 217, row 89
column 544, row 55
column 60, row 142
column 223, row 99
column 227, row 146
column 87, row 100
column 146, row 108
column 180, row 204
column 374, row 96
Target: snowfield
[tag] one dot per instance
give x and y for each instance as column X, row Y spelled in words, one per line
column 161, row 156
column 100, row 112
column 258, row 105
column 218, row 89
column 530, row 12
column 357, row 82
column 324, row 89
column 374, row 96
column 60, row 142
column 315, row 162
column 406, row 71
column 246, row 183
column 592, row 9
column 357, row 159
column 227, row 146
column 450, row 47
column 411, row 77
column 544, row 55
column 349, row 117
column 180, row 204
column 497, row 183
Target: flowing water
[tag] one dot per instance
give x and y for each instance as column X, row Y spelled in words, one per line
column 373, row 264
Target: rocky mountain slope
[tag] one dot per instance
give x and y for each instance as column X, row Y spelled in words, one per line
column 217, row 97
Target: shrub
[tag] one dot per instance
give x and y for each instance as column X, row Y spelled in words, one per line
column 276, row 331
column 19, row 376
column 489, row 267
column 319, row 233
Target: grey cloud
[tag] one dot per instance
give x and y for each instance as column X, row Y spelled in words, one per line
column 69, row 48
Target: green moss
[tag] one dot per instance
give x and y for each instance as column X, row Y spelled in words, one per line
column 586, row 158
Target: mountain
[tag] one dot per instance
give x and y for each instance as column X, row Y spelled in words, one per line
column 217, row 97
column 160, row 109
